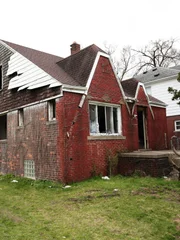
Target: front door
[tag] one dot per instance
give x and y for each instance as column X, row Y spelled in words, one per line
column 141, row 114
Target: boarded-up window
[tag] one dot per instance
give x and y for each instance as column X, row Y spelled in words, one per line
column 3, row 127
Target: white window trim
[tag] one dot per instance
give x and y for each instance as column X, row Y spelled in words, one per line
column 20, row 117
column 175, row 125
column 119, row 118
column 50, row 110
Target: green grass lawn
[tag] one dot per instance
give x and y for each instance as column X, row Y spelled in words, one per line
column 140, row 208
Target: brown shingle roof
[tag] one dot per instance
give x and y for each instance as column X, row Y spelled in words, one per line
column 155, row 100
column 129, row 87
column 79, row 65
column 73, row 70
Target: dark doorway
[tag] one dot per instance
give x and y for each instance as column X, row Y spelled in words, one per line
column 141, row 114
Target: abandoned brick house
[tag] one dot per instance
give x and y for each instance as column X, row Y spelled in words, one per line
column 60, row 117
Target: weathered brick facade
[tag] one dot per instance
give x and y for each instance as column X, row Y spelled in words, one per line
column 63, row 149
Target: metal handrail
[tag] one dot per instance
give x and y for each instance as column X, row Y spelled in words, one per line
column 175, row 142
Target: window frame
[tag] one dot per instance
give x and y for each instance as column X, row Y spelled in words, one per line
column 52, row 110
column 108, row 123
column 4, row 131
column 1, row 77
column 20, row 117
column 175, row 125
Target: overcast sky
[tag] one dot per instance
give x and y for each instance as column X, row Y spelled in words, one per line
column 52, row 25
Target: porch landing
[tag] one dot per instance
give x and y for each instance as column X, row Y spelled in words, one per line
column 148, row 154
column 147, row 163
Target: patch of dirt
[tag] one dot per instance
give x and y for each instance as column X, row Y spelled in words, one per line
column 91, row 197
column 173, row 195
column 177, row 222
column 11, row 216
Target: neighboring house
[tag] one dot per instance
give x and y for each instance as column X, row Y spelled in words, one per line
column 61, row 119
column 156, row 82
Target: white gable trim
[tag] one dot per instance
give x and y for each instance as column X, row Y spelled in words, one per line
column 101, row 54
column 137, row 90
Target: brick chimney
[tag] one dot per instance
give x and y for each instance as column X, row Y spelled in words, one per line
column 75, row 47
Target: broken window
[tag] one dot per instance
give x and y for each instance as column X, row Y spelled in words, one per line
column 3, row 127
column 29, row 169
column 20, row 117
column 52, row 110
column 1, row 78
column 104, row 119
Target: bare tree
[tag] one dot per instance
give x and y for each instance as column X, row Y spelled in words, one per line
column 129, row 61
column 159, row 53
column 124, row 62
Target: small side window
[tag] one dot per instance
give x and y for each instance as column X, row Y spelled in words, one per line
column 177, row 125
column 20, row 117
column 52, row 110
column 3, row 127
column 1, row 78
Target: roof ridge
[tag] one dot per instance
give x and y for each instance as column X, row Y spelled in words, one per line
column 82, row 50
column 18, row 45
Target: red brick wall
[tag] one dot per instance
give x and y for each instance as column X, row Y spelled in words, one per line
column 157, row 129
column 141, row 97
column 81, row 157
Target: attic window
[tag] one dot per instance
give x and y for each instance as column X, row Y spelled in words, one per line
column 155, row 75
column 1, row 78
column 154, row 69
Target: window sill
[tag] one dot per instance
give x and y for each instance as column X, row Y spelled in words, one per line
column 51, row 122
column 20, row 127
column 106, row 137
column 3, row 140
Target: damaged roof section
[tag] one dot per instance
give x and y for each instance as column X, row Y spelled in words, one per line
column 38, row 69
column 28, row 75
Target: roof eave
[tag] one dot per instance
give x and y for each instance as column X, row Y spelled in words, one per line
column 160, row 79
column 74, row 89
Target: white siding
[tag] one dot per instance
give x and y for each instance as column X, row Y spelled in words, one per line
column 160, row 90
column 29, row 75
